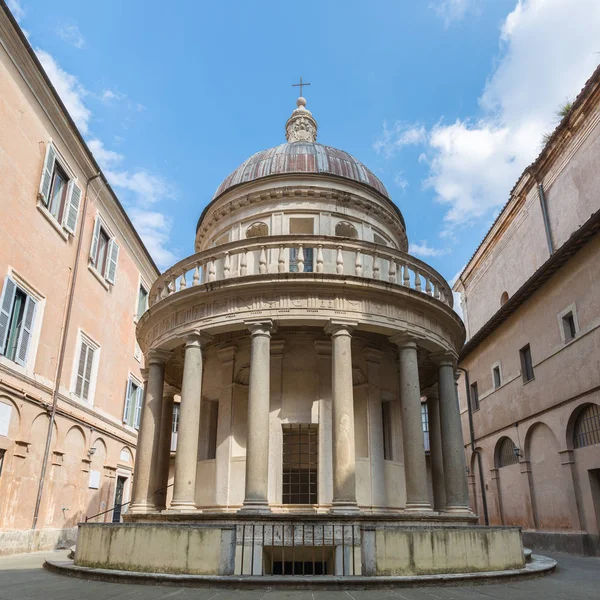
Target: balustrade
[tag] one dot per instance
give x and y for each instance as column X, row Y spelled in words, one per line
column 257, row 257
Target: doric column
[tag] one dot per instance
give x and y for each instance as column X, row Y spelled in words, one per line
column 415, row 467
column 344, row 456
column 455, row 468
column 224, row 425
column 435, row 452
column 164, row 447
column 186, row 455
column 257, row 445
column 145, row 481
column 325, row 487
column 376, row 454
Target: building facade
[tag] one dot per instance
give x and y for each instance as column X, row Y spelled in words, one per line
column 70, row 263
column 529, row 391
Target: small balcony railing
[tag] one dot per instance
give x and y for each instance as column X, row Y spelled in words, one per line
column 299, row 254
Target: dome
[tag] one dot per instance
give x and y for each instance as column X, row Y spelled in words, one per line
column 302, row 157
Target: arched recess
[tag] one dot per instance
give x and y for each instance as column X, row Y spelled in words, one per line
column 345, row 229
column 13, row 415
column 475, row 483
column 549, row 479
column 513, row 492
column 583, row 427
column 72, row 492
column 258, row 229
column 98, row 487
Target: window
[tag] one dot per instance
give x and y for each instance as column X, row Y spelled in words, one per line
column 175, row 427
column 142, row 306
column 526, row 364
column 17, row 317
column 378, row 239
column 86, row 369
column 258, row 229
column 345, row 229
column 569, row 329
column 587, row 427
column 104, row 252
column 59, row 193
column 506, row 453
column 133, row 403
column 300, row 461
column 474, row 397
column 386, row 414
column 425, row 424
column 496, row 376
column 301, row 226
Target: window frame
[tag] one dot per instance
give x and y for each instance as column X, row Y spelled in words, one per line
column 132, row 412
column 524, row 353
column 84, row 338
column 497, row 368
column 570, row 310
column 474, row 396
column 141, row 286
column 175, row 425
column 107, row 275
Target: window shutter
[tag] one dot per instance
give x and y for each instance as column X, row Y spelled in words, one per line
column 127, row 410
column 113, row 257
column 81, row 369
column 95, row 237
column 138, row 407
column 26, row 331
column 46, row 181
column 72, row 212
column 6, row 305
column 87, row 375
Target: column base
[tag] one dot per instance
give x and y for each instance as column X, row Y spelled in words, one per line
column 183, row 506
column 255, row 508
column 143, row 508
column 458, row 510
column 344, row 508
column 418, row 507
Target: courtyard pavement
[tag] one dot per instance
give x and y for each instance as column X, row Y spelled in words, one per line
column 23, row 578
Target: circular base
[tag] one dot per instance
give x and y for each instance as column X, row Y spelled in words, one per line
column 539, row 565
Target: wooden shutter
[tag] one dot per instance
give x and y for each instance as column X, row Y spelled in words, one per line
column 6, row 306
column 46, row 182
column 113, row 257
column 87, row 374
column 139, row 397
column 127, row 410
column 26, row 331
column 81, row 370
column 95, row 237
column 72, row 211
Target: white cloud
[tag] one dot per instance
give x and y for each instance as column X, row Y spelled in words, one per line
column 16, row 9
column 400, row 134
column 154, row 229
column 147, row 187
column 547, row 52
column 423, row 249
column 69, row 89
column 108, row 95
column 401, row 181
column 70, row 33
column 457, row 297
column 452, row 10
column 106, row 158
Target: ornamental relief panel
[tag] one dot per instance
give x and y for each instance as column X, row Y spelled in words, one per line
column 376, row 313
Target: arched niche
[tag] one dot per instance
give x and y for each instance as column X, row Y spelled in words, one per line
column 506, row 453
column 347, row 230
column 257, row 229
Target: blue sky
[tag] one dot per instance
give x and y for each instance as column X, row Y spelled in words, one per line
column 445, row 100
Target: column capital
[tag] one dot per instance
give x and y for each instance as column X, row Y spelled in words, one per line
column 323, row 348
column 170, row 390
column 340, row 327
column 444, row 359
column 372, row 355
column 404, row 340
column 144, row 374
column 228, row 354
column 197, row 339
column 158, row 356
column 262, row 327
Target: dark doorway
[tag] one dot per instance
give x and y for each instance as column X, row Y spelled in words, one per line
column 299, row 567
column 118, row 499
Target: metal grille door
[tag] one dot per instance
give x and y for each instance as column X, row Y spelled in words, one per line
column 300, row 463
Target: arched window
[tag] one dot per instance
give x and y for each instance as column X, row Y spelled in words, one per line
column 506, row 453
column 345, row 229
column 257, row 229
column 503, row 298
column 587, row 427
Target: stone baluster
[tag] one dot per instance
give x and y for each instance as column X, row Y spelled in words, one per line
column 417, row 280
column 257, row 443
column 182, row 281
column 339, row 261
column 406, row 276
column 300, row 259
column 320, row 258
column 196, row 277
column 227, row 266
column 212, row 271
column 428, row 289
column 375, row 265
column 392, row 271
column 262, row 261
column 244, row 263
column 358, row 268
column 281, row 259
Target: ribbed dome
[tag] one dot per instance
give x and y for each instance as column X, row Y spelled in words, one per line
column 302, row 157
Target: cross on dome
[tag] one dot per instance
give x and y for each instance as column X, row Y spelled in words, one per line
column 300, row 85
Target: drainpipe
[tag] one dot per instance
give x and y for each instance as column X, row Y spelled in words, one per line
column 544, row 206
column 61, row 355
column 478, row 454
